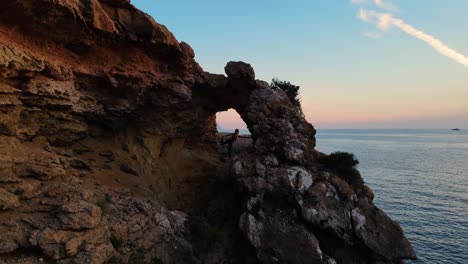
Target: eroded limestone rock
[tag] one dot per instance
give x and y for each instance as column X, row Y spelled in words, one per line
column 8, row 200
column 102, row 93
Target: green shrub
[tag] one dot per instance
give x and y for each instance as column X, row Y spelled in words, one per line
column 291, row 90
column 340, row 161
column 344, row 164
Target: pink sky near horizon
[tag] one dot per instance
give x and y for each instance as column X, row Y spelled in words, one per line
column 396, row 103
column 323, row 117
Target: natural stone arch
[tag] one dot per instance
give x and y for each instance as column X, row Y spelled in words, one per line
column 284, row 168
column 268, row 113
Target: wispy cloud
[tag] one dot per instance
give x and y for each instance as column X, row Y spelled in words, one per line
column 385, row 21
column 379, row 3
column 385, row 5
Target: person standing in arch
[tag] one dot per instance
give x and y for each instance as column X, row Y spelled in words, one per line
column 231, row 140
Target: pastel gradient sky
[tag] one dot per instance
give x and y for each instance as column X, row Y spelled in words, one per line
column 355, row 63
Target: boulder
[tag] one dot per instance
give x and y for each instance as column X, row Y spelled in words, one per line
column 187, row 50
column 239, row 70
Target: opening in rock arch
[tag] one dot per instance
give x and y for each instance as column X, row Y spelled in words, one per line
column 227, row 122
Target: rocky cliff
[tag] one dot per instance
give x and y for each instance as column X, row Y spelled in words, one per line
column 108, row 153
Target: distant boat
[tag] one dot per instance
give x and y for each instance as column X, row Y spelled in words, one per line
column 456, row 129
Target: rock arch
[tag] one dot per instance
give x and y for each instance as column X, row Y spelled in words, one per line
column 268, row 113
column 286, row 192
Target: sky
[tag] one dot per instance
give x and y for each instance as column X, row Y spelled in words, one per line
column 359, row 63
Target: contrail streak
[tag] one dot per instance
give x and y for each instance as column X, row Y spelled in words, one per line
column 385, row 21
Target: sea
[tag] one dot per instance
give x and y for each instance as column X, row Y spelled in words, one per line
column 420, row 179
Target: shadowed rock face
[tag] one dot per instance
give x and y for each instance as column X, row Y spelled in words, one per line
column 106, row 121
column 291, row 199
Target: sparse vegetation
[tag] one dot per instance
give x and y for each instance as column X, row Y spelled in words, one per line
column 344, row 164
column 341, row 161
column 291, row 90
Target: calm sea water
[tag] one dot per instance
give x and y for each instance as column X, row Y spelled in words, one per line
column 420, row 179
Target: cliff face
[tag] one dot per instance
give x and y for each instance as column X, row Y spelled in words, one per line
column 108, row 153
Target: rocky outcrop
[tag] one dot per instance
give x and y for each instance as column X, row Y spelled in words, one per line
column 290, row 196
column 108, row 153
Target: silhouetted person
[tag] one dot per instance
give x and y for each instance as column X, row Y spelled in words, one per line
column 233, row 138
